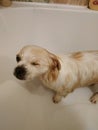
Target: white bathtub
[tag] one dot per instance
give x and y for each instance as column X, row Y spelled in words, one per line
column 60, row 29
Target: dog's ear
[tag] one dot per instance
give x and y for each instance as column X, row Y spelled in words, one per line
column 55, row 64
column 54, row 67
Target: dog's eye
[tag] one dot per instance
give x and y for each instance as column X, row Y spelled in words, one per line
column 34, row 63
column 18, row 58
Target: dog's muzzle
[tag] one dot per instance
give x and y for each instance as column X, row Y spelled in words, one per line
column 20, row 72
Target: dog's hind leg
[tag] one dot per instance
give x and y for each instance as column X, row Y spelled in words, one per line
column 94, row 98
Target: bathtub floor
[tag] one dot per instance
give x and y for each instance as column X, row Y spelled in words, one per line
column 27, row 106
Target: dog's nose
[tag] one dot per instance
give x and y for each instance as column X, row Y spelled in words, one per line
column 20, row 72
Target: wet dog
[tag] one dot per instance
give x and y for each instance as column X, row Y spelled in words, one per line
column 63, row 73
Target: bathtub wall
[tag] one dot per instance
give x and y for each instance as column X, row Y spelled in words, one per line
column 72, row 2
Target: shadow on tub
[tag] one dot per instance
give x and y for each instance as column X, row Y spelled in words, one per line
column 6, row 68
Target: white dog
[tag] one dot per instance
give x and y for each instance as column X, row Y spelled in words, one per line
column 63, row 74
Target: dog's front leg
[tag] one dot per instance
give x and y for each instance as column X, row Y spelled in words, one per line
column 58, row 95
column 57, row 98
column 61, row 92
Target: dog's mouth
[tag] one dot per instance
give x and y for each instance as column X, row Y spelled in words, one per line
column 20, row 72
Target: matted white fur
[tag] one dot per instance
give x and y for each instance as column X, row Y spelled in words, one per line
column 63, row 73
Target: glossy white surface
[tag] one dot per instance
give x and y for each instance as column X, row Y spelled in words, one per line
column 29, row 106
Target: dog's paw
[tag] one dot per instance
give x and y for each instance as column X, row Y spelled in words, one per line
column 56, row 98
column 94, row 98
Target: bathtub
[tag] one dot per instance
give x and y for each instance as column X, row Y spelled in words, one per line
column 60, row 29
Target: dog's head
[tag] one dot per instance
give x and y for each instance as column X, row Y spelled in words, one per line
column 33, row 61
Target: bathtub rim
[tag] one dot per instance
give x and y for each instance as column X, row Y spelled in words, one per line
column 48, row 6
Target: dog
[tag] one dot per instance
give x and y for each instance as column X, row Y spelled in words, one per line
column 62, row 74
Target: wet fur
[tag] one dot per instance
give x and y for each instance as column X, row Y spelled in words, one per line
column 63, row 73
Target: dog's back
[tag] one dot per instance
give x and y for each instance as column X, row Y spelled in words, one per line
column 87, row 65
